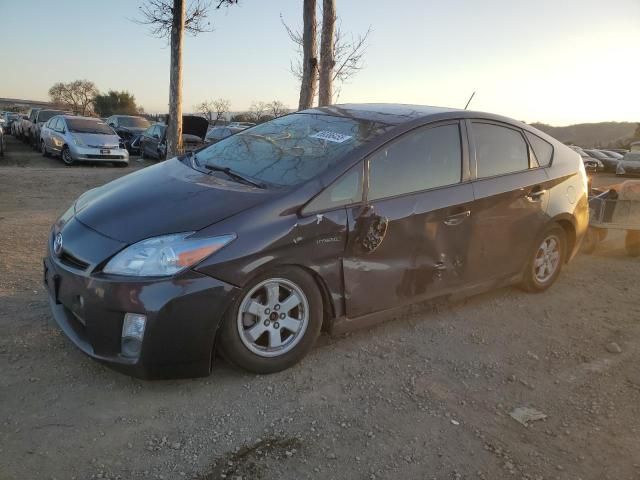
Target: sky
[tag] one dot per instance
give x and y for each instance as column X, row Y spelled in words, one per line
column 555, row 61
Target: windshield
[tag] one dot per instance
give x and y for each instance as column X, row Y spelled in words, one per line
column 291, row 149
column 45, row 115
column 135, row 122
column 86, row 125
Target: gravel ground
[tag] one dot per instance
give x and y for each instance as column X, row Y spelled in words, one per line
column 427, row 396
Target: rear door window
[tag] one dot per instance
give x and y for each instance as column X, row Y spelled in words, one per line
column 426, row 158
column 499, row 150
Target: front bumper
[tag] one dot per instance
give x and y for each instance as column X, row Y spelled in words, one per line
column 183, row 314
column 99, row 155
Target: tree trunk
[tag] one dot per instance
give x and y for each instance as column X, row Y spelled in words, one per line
column 327, row 62
column 174, row 130
column 310, row 56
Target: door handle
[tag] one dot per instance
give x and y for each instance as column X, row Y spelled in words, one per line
column 535, row 195
column 457, row 218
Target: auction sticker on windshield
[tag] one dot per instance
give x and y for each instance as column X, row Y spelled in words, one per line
column 334, row 137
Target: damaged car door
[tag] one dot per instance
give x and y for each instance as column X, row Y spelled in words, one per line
column 409, row 239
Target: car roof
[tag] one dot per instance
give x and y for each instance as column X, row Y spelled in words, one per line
column 399, row 113
column 69, row 117
column 388, row 113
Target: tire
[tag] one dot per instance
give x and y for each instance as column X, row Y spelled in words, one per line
column 66, row 156
column 142, row 155
column 258, row 354
column 43, row 149
column 590, row 242
column 632, row 243
column 542, row 271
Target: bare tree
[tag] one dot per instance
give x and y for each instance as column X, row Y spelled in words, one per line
column 349, row 51
column 215, row 110
column 277, row 109
column 327, row 59
column 170, row 19
column 258, row 111
column 77, row 95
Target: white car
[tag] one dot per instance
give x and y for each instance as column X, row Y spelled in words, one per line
column 77, row 138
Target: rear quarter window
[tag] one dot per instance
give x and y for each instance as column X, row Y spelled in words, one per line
column 542, row 149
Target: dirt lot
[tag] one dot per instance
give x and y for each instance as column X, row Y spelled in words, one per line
column 427, row 396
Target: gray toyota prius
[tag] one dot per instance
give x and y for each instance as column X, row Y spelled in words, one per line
column 325, row 219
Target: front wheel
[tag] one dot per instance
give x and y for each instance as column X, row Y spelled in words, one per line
column 545, row 263
column 66, row 156
column 632, row 243
column 273, row 323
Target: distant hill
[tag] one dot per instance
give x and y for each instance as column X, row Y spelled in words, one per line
column 604, row 134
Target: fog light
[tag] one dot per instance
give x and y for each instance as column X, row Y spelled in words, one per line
column 132, row 334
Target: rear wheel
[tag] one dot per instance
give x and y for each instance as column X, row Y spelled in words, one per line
column 66, row 156
column 546, row 260
column 273, row 323
column 632, row 243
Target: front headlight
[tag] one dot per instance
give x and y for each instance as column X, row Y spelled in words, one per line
column 165, row 255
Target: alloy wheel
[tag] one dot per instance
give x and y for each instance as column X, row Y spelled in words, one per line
column 547, row 259
column 66, row 156
column 273, row 317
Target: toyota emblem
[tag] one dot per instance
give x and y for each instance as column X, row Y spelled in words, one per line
column 57, row 244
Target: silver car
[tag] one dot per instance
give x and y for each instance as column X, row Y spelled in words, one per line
column 82, row 139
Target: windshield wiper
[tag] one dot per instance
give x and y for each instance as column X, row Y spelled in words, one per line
column 234, row 175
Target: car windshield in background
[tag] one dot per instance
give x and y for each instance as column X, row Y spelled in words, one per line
column 82, row 125
column 133, row 122
column 44, row 116
column 291, row 149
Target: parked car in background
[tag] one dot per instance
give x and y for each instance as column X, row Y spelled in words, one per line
column 153, row 142
column 612, row 154
column 332, row 217
column 621, row 151
column 129, row 128
column 629, row 165
column 241, row 124
column 8, row 118
column 41, row 117
column 27, row 123
column 218, row 133
column 590, row 163
column 609, row 163
column 16, row 125
column 77, row 138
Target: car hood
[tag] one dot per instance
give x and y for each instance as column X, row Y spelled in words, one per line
column 97, row 140
column 194, row 125
column 131, row 130
column 169, row 197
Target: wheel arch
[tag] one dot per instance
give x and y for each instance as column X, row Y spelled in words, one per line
column 567, row 223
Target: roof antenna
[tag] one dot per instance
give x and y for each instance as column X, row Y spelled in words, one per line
column 470, row 98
